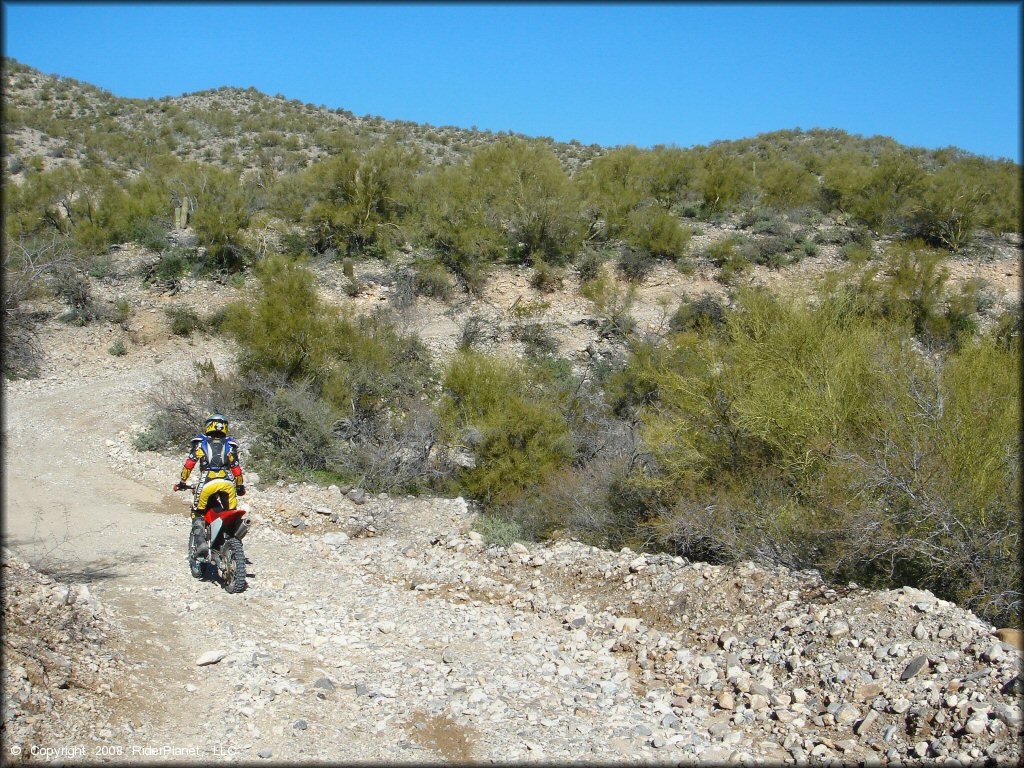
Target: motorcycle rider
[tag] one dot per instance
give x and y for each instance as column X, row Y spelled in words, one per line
column 217, row 455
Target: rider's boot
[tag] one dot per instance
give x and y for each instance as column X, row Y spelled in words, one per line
column 199, row 536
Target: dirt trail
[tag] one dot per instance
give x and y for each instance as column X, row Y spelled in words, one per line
column 77, row 519
column 347, row 618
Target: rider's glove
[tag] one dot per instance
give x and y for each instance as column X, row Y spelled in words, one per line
column 179, row 486
column 241, row 490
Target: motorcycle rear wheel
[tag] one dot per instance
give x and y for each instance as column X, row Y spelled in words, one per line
column 233, row 558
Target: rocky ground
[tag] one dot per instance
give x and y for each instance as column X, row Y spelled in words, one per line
column 379, row 628
column 63, row 653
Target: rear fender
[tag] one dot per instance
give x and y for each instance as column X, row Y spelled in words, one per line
column 215, row 528
column 225, row 523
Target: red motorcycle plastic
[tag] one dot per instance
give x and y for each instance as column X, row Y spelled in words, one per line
column 220, row 544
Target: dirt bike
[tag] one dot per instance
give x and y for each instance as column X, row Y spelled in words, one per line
column 220, row 544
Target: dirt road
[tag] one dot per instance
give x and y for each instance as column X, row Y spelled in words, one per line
column 330, row 654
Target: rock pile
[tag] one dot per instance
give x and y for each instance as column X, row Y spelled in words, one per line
column 59, row 673
column 764, row 656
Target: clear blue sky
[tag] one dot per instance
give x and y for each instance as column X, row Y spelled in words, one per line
column 928, row 75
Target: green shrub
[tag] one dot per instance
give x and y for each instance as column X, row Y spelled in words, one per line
column 546, row 278
column 216, row 320
column 721, row 251
column 689, row 209
column 856, row 253
column 523, row 437
column 589, row 266
column 375, row 368
column 814, row 437
column 473, row 332
column 522, row 310
column 614, row 306
column 885, row 197
column 772, row 252
column 284, row 330
column 171, row 266
column 913, row 290
column 457, row 223
column 657, row 232
column 159, row 433
column 761, row 221
column 536, row 338
column 221, row 213
column 702, row 313
column 722, row 180
column 1008, row 328
column 786, row 184
column 842, row 236
column 101, row 267
column 293, row 431
column 731, row 261
column 635, row 264
column 184, row 320
column 118, row 348
column 946, row 496
column 512, row 201
column 150, row 234
column 951, row 205
column 497, row 530
column 432, row 279
column 122, row 312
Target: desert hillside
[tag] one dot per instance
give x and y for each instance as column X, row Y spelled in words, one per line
column 554, row 452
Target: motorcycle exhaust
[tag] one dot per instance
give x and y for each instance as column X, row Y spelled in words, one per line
column 243, row 528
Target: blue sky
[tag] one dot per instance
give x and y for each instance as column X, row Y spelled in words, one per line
column 928, row 75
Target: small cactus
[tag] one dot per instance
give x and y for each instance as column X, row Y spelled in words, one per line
column 348, row 269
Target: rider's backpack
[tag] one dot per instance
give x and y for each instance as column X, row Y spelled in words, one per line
column 217, row 450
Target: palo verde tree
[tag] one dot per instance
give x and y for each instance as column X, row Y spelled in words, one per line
column 356, row 202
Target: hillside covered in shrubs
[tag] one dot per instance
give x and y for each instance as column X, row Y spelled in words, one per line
column 870, row 430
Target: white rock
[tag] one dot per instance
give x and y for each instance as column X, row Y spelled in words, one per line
column 976, row 724
column 839, row 629
column 210, row 657
column 626, row 624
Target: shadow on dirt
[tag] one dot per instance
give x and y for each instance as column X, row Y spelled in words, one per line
column 91, row 573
